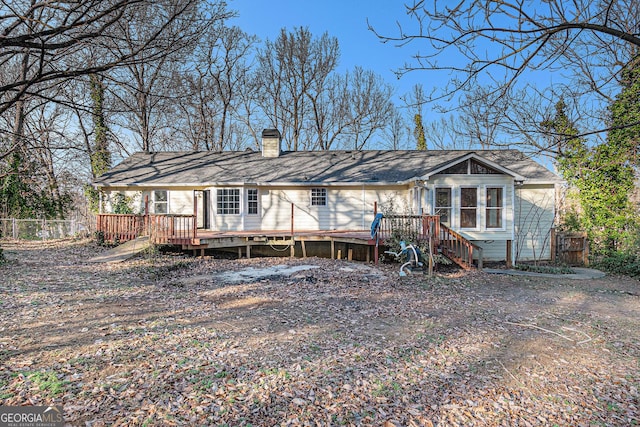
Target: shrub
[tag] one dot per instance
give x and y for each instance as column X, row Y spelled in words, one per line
column 624, row 263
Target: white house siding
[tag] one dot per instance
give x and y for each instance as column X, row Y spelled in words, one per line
column 348, row 208
column 136, row 198
column 181, row 202
column 492, row 250
column 480, row 233
column 535, row 211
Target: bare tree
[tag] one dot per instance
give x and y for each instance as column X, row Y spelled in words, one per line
column 396, row 131
column 498, row 44
column 146, row 88
column 51, row 39
column 443, row 134
column 330, row 105
column 370, row 106
column 293, row 69
column 216, row 82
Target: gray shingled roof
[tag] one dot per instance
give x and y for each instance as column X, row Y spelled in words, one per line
column 303, row 167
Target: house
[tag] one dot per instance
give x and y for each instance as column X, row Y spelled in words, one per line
column 501, row 200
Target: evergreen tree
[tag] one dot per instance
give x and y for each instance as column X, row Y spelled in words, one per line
column 100, row 155
column 604, row 174
column 421, row 140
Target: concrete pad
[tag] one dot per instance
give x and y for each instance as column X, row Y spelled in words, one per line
column 580, row 273
column 124, row 251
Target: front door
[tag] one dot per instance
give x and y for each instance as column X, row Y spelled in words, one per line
column 202, row 202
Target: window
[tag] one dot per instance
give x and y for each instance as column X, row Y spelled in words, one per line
column 470, row 166
column 228, row 201
column 161, row 201
column 443, row 205
column 461, row 168
column 494, row 207
column 318, row 197
column 252, row 201
column 468, row 207
column 481, row 169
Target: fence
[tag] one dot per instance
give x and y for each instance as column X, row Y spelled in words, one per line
column 570, row 248
column 40, row 229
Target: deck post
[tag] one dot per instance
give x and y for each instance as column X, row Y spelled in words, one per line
column 195, row 216
column 509, row 250
column 293, row 242
column 333, row 248
column 304, row 248
column 146, row 225
column 248, row 251
column 553, row 244
column 376, row 249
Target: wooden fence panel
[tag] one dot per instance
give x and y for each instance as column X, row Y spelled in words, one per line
column 572, row 248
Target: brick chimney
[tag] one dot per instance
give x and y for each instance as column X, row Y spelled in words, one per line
column 271, row 140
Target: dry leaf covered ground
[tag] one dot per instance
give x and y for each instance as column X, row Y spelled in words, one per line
column 172, row 340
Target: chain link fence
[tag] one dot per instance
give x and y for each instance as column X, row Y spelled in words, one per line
column 40, row 229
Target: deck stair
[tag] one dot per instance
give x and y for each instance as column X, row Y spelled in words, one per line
column 418, row 229
column 459, row 249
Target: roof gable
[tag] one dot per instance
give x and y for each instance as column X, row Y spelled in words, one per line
column 473, row 157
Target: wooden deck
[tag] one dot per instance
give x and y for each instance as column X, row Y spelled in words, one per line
column 180, row 230
column 244, row 241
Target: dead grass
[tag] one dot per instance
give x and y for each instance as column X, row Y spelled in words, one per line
column 166, row 340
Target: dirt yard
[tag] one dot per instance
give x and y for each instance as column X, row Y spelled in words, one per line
column 166, row 340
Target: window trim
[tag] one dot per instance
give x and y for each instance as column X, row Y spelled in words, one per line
column 314, row 199
column 477, row 208
column 250, row 201
column 503, row 208
column 228, row 210
column 436, row 207
column 162, row 202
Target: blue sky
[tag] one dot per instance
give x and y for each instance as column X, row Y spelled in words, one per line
column 347, row 21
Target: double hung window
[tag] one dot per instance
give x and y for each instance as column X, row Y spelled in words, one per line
column 443, row 205
column 468, row 207
column 318, row 197
column 252, row 201
column 160, row 201
column 494, row 207
column 228, row 201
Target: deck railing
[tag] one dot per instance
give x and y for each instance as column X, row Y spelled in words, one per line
column 119, row 228
column 161, row 229
column 411, row 228
column 459, row 249
column 165, row 229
